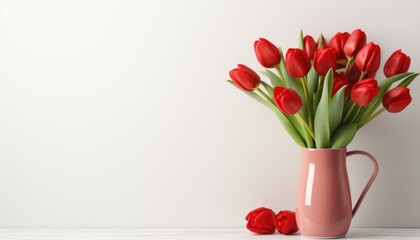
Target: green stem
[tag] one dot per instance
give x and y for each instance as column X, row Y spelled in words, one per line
column 300, row 117
column 348, row 113
column 355, row 116
column 280, row 75
column 370, row 118
column 265, row 96
column 318, row 92
column 305, row 92
column 348, row 65
column 320, row 83
column 362, row 75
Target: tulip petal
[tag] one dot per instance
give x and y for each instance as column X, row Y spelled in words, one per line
column 344, row 136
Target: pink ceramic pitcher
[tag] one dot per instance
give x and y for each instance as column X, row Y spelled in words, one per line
column 324, row 208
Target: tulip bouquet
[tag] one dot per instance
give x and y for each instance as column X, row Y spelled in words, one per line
column 324, row 93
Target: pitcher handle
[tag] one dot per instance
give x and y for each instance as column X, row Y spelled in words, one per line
column 372, row 178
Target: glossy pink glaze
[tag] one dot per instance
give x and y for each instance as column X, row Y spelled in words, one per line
column 324, row 208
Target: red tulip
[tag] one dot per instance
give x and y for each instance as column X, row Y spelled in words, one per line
column 324, row 60
column 337, row 42
column 309, row 46
column 297, row 62
column 287, row 100
column 339, row 81
column 355, row 42
column 286, row 222
column 395, row 100
column 245, row 78
column 267, row 54
column 261, row 220
column 397, row 63
column 364, row 91
column 369, row 58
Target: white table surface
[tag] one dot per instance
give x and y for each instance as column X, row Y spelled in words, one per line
column 184, row 234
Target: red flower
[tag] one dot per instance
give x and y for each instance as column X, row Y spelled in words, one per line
column 287, row 100
column 297, row 62
column 337, row 42
column 364, row 91
column 398, row 62
column 286, row 222
column 245, row 78
column 267, row 54
column 340, row 80
column 325, row 59
column 369, row 58
column 395, row 100
column 309, row 46
column 261, row 220
column 355, row 42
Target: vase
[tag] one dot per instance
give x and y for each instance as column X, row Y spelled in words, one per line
column 324, row 206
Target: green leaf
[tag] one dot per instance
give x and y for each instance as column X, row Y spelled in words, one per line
column 408, row 80
column 318, row 93
column 283, row 119
column 321, row 41
column 301, row 39
column 344, row 136
column 389, row 81
column 322, row 119
column 312, row 82
column 274, row 79
column 269, row 89
column 336, row 109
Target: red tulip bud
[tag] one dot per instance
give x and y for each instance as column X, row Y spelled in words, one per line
column 395, row 100
column 287, row 100
column 261, row 220
column 337, row 42
column 369, row 58
column 297, row 62
column 286, row 222
column 397, row 63
column 324, row 60
column 364, row 91
column 245, row 78
column 309, row 46
column 340, row 81
column 267, row 54
column 355, row 42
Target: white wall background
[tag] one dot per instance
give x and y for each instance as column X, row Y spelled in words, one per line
column 117, row 113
